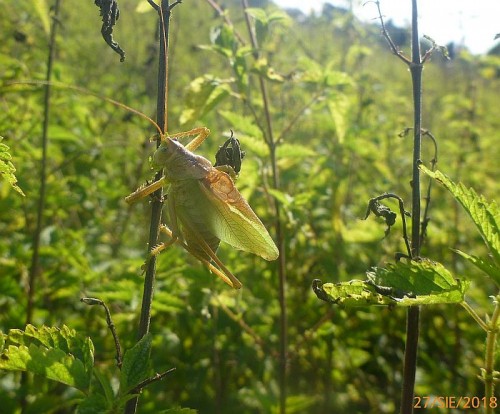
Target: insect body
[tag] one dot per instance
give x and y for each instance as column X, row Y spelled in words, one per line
column 204, row 205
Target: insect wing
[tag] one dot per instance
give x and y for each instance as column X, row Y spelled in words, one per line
column 232, row 220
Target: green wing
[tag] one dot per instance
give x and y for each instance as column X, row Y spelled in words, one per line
column 231, row 219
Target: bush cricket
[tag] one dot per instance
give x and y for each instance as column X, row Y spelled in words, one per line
column 204, row 205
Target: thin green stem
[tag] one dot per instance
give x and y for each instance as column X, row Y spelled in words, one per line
column 474, row 315
column 280, row 236
column 34, row 272
column 489, row 358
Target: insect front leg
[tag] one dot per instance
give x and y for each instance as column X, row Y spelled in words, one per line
column 145, row 190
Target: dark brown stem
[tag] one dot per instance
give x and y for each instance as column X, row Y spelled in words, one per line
column 413, row 315
column 35, row 271
column 157, row 203
column 155, row 378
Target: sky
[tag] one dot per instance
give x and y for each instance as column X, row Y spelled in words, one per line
column 470, row 23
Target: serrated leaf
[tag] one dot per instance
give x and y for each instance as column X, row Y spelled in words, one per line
column 50, row 363
column 487, row 266
column 7, row 169
column 402, row 284
column 55, row 353
column 135, row 368
column 485, row 215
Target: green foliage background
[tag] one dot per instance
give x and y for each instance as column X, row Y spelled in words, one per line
column 338, row 100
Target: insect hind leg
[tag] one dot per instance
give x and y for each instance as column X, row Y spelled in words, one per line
column 200, row 133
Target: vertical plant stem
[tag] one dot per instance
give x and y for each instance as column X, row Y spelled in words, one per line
column 413, row 315
column 489, row 359
column 156, row 206
column 34, row 271
column 35, row 259
column 271, row 142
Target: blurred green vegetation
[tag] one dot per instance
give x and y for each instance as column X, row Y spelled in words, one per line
column 338, row 101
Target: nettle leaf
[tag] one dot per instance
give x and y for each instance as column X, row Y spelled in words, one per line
column 7, row 169
column 486, row 265
column 135, row 368
column 58, row 354
column 485, row 215
column 403, row 284
column 203, row 94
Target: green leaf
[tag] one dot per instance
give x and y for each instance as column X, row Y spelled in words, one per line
column 57, row 354
column 42, row 9
column 135, row 368
column 179, row 410
column 487, row 266
column 224, row 38
column 283, row 198
column 257, row 13
column 416, row 283
column 262, row 68
column 107, row 390
column 7, row 169
column 338, row 105
column 203, row 94
column 485, row 215
column 242, row 124
column 247, row 132
column 93, row 404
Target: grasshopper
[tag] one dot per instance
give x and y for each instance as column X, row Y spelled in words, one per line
column 204, row 205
